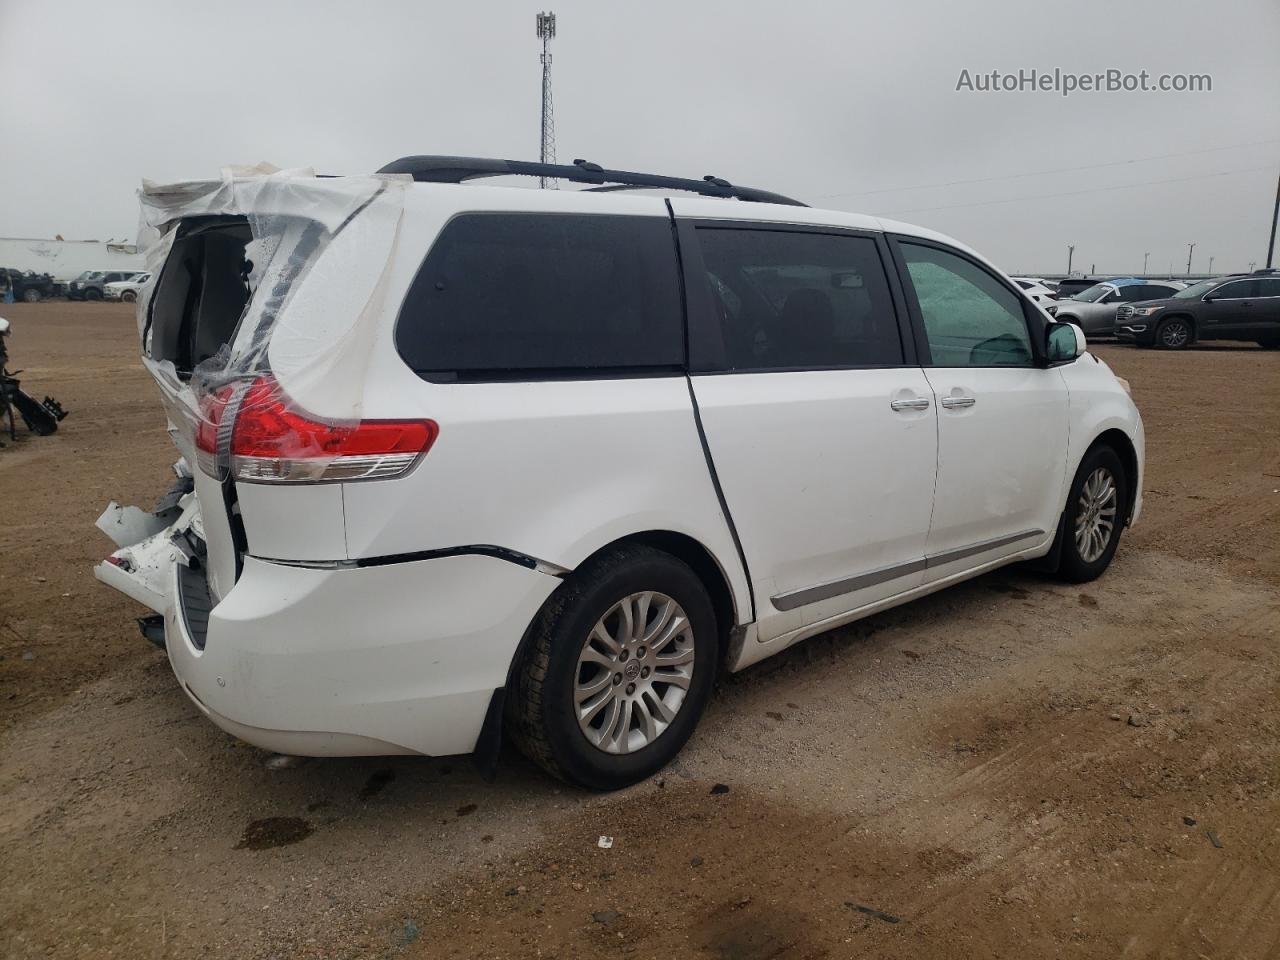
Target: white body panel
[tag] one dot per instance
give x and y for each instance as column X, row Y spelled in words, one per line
column 396, row 659
column 1001, row 462
column 825, row 481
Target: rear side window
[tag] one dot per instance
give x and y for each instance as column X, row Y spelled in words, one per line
column 797, row 300
column 1237, row 290
column 1132, row 293
column 505, row 295
column 970, row 318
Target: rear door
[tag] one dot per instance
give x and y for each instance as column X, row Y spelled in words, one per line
column 819, row 421
column 1228, row 310
column 1002, row 420
column 1266, row 310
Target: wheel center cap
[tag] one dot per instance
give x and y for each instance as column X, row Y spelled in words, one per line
column 631, row 670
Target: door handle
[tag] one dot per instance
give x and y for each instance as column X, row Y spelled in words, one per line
column 953, row 403
column 917, row 403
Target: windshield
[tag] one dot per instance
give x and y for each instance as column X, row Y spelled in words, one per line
column 1096, row 292
column 87, row 275
column 1196, row 290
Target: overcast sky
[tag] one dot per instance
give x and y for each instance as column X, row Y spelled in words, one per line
column 852, row 106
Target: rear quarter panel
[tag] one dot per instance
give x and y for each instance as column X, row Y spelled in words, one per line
column 552, row 469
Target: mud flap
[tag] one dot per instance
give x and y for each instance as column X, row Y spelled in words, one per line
column 489, row 743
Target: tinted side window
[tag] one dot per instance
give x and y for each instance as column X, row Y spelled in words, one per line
column 787, row 300
column 1133, row 293
column 505, row 293
column 970, row 318
column 1156, row 291
column 1268, row 288
column 1237, row 290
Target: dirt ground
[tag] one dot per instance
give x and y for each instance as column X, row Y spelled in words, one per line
column 1014, row 768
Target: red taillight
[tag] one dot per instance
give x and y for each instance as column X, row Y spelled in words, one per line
column 272, row 440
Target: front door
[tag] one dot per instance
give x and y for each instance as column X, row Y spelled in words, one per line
column 822, row 430
column 1002, row 420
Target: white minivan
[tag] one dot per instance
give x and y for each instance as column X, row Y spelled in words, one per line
column 460, row 460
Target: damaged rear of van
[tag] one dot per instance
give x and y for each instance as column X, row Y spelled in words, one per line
column 406, row 412
column 259, row 326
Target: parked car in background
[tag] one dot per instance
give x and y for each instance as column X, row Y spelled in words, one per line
column 1073, row 285
column 521, row 487
column 126, row 290
column 1241, row 306
column 89, row 285
column 1036, row 290
column 1094, row 309
column 28, row 286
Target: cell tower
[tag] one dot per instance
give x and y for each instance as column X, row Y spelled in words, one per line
column 547, row 30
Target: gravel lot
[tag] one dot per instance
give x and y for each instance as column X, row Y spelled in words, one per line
column 1013, row 768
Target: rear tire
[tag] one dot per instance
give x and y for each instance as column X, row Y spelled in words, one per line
column 590, row 656
column 1097, row 506
column 1174, row 334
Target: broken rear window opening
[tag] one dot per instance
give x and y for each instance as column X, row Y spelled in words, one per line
column 201, row 293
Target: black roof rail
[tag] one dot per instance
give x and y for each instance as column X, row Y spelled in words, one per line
column 431, row 169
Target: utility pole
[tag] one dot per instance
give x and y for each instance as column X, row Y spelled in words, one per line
column 1071, row 252
column 1275, row 215
column 1211, row 265
column 1190, row 249
column 1145, row 257
column 547, row 152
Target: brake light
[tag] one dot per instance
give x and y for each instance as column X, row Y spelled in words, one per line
column 212, row 411
column 272, row 440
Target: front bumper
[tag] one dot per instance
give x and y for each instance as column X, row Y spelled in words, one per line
column 1140, row 332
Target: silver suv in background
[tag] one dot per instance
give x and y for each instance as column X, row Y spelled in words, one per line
column 1094, row 309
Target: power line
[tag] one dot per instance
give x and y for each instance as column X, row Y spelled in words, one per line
column 1040, row 173
column 1078, row 193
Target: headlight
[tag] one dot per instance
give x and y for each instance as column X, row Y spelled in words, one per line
column 1146, row 311
column 1051, row 309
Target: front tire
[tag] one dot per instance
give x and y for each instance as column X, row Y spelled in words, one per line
column 92, row 294
column 1174, row 334
column 128, row 296
column 617, row 671
column 31, row 295
column 1097, row 506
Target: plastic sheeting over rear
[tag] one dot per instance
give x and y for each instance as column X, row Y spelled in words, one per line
column 264, row 273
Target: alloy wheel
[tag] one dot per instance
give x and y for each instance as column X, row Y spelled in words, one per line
column 1174, row 333
column 633, row 672
column 1096, row 517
